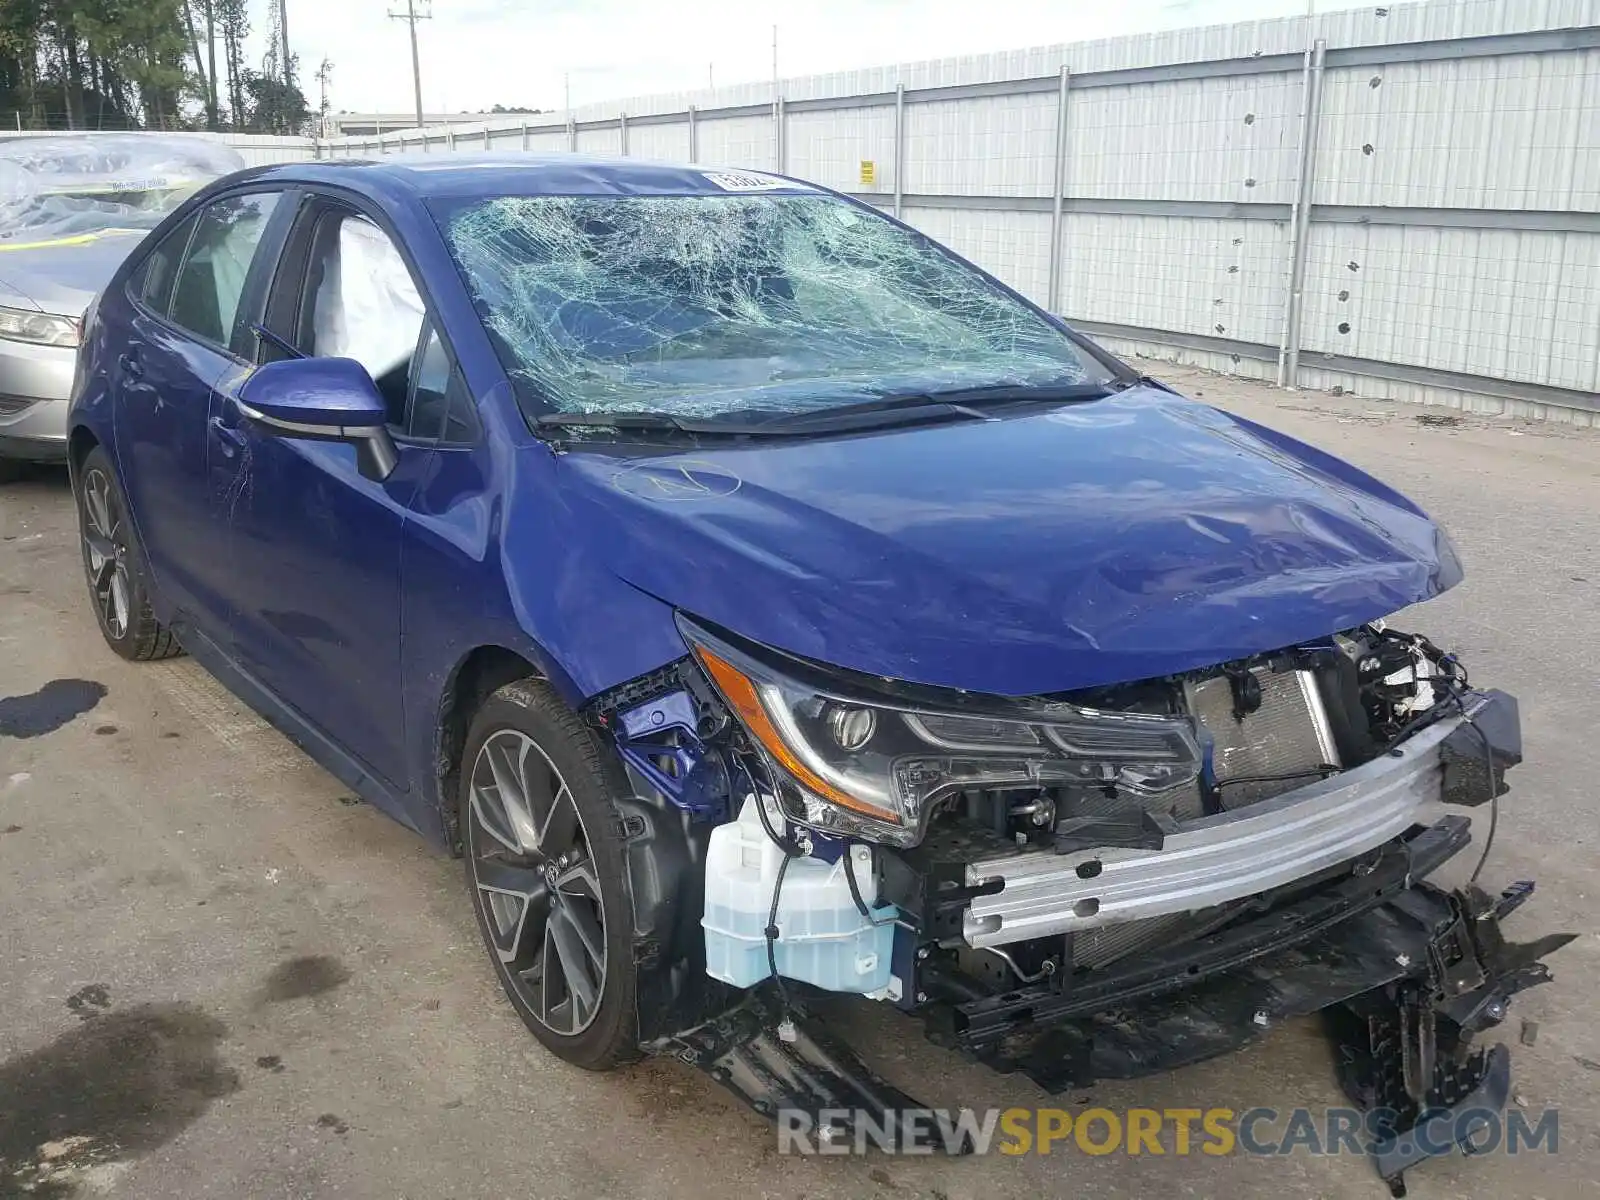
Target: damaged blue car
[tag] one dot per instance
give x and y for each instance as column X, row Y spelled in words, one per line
column 764, row 601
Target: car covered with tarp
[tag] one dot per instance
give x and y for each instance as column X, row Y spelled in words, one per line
column 72, row 207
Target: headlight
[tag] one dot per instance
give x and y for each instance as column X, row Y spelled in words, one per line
column 850, row 762
column 43, row 329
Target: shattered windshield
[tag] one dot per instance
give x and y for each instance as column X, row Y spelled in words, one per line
column 709, row 305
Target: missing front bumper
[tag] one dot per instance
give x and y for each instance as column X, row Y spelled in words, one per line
column 1409, row 975
column 1217, row 859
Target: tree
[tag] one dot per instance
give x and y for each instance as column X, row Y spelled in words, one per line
column 208, row 80
column 91, row 64
column 19, row 57
column 273, row 105
column 234, row 18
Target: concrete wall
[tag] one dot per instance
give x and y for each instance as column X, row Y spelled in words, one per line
column 1429, row 173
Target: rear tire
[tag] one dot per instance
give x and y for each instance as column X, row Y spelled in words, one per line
column 545, row 861
column 119, row 588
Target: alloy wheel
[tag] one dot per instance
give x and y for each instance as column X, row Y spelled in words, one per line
column 105, row 552
column 535, row 882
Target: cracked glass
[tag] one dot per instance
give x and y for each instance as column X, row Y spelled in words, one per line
column 705, row 305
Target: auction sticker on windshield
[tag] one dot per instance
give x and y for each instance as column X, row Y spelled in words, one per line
column 750, row 181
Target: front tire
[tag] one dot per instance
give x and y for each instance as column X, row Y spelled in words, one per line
column 545, row 861
column 119, row 587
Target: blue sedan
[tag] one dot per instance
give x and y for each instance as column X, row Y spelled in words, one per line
column 762, row 599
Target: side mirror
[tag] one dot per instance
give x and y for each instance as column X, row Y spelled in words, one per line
column 326, row 400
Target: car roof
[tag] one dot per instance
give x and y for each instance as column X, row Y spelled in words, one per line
column 527, row 174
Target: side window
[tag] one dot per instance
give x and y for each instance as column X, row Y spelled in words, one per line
column 152, row 285
column 360, row 302
column 211, row 280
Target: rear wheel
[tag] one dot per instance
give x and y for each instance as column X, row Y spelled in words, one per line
column 545, row 862
column 118, row 583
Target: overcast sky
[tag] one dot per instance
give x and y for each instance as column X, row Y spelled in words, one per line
column 477, row 53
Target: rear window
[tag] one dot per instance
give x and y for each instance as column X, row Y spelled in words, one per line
column 709, row 304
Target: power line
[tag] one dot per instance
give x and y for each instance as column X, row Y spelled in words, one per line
column 411, row 16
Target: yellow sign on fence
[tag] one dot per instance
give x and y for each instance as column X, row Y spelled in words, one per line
column 869, row 173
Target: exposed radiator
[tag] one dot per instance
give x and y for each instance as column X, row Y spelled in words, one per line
column 1288, row 737
column 1106, row 944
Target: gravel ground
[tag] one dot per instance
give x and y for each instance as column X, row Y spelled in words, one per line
column 221, row 976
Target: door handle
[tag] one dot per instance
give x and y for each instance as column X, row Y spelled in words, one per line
column 131, row 366
column 230, row 438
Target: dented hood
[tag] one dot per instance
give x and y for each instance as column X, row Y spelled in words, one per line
column 1096, row 543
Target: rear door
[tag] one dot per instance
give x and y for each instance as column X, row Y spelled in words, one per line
column 186, row 304
column 313, row 547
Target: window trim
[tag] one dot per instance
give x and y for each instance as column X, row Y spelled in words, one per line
column 271, row 244
column 455, row 388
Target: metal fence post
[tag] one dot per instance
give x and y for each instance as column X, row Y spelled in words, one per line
column 694, row 137
column 572, row 134
column 1300, row 218
column 899, row 150
column 487, row 145
column 524, row 133
column 622, row 132
column 450, row 139
column 780, row 147
column 1058, row 191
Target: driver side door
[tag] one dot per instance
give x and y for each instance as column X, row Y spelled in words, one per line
column 313, row 545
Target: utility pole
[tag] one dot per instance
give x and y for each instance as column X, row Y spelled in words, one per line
column 411, row 16
column 283, row 37
column 324, row 77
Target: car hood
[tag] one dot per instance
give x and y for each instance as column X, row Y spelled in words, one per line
column 63, row 275
column 1105, row 542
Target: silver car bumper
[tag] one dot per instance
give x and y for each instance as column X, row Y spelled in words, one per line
column 35, row 386
column 1212, row 860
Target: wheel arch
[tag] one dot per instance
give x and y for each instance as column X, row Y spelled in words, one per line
column 80, row 441
column 476, row 676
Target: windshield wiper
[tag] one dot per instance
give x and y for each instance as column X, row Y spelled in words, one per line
column 905, row 408
column 1009, row 393
column 627, row 421
column 913, row 408
column 871, row 414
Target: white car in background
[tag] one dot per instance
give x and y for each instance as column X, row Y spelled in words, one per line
column 72, row 207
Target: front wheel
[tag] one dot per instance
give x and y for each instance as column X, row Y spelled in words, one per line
column 545, row 862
